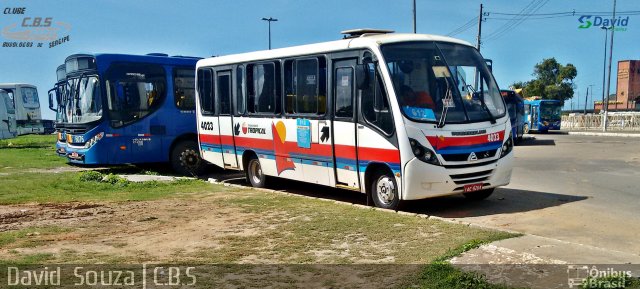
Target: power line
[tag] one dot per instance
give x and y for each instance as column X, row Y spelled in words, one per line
column 464, row 27
column 532, row 8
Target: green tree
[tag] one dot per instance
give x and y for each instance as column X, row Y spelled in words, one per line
column 552, row 80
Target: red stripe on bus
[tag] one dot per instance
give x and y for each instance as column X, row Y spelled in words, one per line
column 324, row 150
column 440, row 142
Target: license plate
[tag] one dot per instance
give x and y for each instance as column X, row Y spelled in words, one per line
column 473, row 187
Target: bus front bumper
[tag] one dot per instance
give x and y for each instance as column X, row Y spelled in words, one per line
column 422, row 180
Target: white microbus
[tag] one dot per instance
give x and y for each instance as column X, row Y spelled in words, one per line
column 395, row 116
column 27, row 107
column 7, row 116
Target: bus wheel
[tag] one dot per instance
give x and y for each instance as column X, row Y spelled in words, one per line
column 479, row 195
column 254, row 173
column 384, row 191
column 185, row 159
column 525, row 128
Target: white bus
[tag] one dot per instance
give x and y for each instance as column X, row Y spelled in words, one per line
column 395, row 116
column 7, row 116
column 27, row 107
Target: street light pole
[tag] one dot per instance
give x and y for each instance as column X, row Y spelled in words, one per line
column 270, row 19
column 606, row 107
column 604, row 66
column 414, row 16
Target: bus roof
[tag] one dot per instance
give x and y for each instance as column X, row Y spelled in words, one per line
column 323, row 47
column 11, row 85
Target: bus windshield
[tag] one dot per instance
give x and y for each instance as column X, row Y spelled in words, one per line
column 433, row 80
column 83, row 99
column 550, row 111
column 30, row 97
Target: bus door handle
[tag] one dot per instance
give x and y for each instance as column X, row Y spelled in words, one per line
column 360, row 126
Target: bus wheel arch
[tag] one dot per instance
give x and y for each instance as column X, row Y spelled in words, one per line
column 381, row 186
column 184, row 155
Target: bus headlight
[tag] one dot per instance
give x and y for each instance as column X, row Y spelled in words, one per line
column 507, row 146
column 94, row 140
column 422, row 153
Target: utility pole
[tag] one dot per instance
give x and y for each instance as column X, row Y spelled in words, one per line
column 592, row 94
column 606, row 105
column 586, row 101
column 270, row 19
column 479, row 28
column 604, row 66
column 414, row 16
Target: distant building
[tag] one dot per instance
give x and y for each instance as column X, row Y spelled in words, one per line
column 628, row 87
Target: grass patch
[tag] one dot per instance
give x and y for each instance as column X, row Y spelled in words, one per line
column 68, row 187
column 29, row 151
column 314, row 231
column 30, row 141
column 29, row 237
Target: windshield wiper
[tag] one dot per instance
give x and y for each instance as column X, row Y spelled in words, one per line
column 448, row 98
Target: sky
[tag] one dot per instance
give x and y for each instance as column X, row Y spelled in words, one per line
column 215, row 27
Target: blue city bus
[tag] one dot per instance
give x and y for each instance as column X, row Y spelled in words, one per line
column 542, row 115
column 515, row 107
column 127, row 109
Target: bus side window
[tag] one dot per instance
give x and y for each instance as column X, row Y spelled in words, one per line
column 375, row 104
column 240, row 100
column 205, row 91
column 261, row 88
column 527, row 109
column 305, row 86
column 184, row 88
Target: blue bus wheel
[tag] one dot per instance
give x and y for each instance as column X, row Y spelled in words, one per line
column 186, row 160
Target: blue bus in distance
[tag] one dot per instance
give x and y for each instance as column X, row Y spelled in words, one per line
column 542, row 115
column 127, row 109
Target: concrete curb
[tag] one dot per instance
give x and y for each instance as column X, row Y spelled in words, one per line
column 613, row 134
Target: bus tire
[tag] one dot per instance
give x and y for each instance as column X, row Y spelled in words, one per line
column 479, row 195
column 186, row 160
column 254, row 173
column 384, row 190
column 525, row 128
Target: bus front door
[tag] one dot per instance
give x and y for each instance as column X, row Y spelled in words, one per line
column 225, row 119
column 534, row 117
column 344, row 124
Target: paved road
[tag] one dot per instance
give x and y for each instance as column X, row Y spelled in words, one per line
column 581, row 189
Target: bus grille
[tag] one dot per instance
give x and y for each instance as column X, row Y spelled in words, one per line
column 471, row 178
column 464, row 157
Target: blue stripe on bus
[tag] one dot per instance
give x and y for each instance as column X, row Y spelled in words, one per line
column 469, row 149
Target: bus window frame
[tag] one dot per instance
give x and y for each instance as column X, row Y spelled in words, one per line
column 213, row 87
column 378, row 78
column 239, row 91
column 174, row 70
column 296, row 114
column 277, row 88
column 218, row 102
